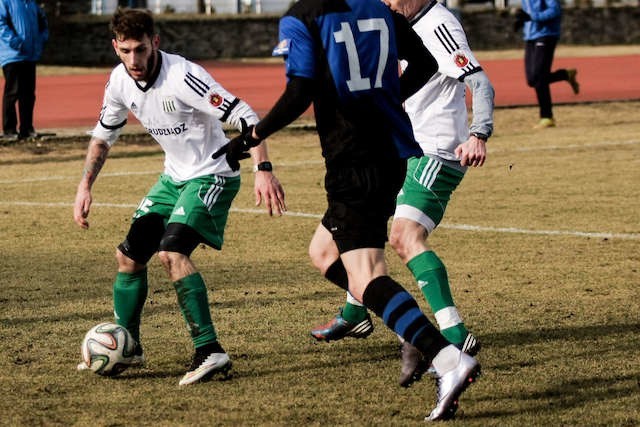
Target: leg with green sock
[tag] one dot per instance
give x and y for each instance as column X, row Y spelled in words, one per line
column 210, row 358
column 353, row 310
column 129, row 294
column 431, row 275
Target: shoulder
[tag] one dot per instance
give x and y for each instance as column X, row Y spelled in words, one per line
column 306, row 10
column 118, row 75
column 178, row 69
column 172, row 63
column 437, row 16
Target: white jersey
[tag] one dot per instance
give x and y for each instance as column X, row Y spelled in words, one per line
column 182, row 107
column 438, row 111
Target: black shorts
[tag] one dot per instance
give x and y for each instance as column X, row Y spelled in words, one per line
column 361, row 200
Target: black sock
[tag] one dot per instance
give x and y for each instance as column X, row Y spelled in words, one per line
column 337, row 274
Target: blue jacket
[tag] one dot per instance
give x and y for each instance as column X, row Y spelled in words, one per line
column 23, row 31
column 545, row 18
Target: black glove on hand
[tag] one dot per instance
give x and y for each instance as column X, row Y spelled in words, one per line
column 237, row 149
column 521, row 18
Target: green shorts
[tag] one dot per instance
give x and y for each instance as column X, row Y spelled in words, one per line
column 426, row 191
column 202, row 203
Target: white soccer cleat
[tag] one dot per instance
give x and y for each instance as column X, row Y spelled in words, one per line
column 204, row 367
column 451, row 385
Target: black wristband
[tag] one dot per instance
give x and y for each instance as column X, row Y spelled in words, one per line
column 263, row 166
column 479, row 135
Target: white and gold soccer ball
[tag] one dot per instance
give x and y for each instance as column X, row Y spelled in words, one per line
column 107, row 349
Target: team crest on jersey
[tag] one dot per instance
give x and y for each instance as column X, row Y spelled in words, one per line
column 282, row 49
column 460, row 59
column 216, row 100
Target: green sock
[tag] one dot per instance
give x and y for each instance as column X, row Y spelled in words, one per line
column 129, row 295
column 431, row 275
column 353, row 311
column 194, row 304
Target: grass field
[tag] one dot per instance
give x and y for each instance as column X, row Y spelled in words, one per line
column 541, row 244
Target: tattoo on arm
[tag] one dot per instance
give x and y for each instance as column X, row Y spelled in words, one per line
column 96, row 157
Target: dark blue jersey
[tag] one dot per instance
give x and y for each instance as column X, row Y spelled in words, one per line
column 349, row 49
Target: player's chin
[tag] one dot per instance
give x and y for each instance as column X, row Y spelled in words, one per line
column 137, row 74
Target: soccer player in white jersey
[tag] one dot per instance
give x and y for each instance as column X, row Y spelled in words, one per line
column 182, row 107
column 438, row 116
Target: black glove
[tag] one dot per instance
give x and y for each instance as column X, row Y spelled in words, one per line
column 521, row 18
column 237, row 149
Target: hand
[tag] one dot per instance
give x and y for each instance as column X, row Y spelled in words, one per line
column 473, row 152
column 81, row 207
column 521, row 18
column 267, row 187
column 238, row 148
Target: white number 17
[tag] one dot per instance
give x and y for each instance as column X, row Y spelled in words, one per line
column 345, row 35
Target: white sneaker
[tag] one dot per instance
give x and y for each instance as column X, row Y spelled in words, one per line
column 204, row 367
column 451, row 385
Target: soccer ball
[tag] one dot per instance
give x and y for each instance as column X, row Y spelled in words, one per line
column 107, row 349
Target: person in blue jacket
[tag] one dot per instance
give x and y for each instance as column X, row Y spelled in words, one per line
column 23, row 33
column 540, row 20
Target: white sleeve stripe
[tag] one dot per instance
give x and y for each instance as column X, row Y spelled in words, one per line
column 196, row 84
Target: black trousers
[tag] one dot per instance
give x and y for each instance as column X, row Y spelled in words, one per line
column 538, row 57
column 20, row 87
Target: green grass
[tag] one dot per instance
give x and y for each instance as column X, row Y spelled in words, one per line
column 554, row 299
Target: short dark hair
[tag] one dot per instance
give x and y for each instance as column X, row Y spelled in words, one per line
column 128, row 23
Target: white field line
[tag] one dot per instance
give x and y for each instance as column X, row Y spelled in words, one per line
column 563, row 147
column 318, row 162
column 117, row 174
column 463, row 227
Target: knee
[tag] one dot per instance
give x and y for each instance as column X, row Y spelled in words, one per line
column 126, row 264
column 533, row 81
column 321, row 258
column 167, row 259
column 408, row 239
column 398, row 242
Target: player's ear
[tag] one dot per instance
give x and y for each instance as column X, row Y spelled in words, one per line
column 155, row 41
column 114, row 43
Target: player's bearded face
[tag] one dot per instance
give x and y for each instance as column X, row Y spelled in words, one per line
column 138, row 56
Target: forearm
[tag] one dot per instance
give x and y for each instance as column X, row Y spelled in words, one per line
column 96, row 156
column 294, row 101
column 482, row 94
column 259, row 153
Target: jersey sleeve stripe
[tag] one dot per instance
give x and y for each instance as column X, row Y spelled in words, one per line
column 196, row 84
column 446, row 39
column 468, row 70
column 227, row 107
column 113, row 127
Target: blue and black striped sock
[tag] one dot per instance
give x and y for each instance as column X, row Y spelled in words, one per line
column 401, row 313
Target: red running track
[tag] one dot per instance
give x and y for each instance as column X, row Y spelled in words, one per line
column 75, row 100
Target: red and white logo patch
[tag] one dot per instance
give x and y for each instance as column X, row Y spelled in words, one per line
column 460, row 59
column 216, row 100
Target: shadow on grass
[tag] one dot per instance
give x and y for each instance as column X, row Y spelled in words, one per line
column 568, row 395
